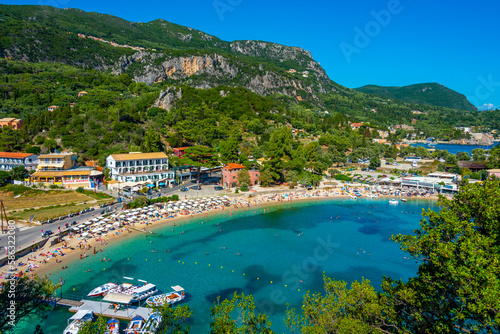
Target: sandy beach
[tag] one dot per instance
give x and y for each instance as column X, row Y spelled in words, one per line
column 49, row 260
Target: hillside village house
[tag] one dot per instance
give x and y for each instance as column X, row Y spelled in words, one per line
column 355, row 126
column 82, row 93
column 230, row 175
column 179, row 151
column 151, row 169
column 493, row 172
column 14, row 123
column 9, row 160
column 62, row 169
column 52, row 108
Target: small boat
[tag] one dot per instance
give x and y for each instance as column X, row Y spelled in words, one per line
column 170, row 298
column 113, row 327
column 143, row 292
column 151, row 324
column 393, row 201
column 135, row 325
column 353, row 196
column 404, row 200
column 122, row 288
column 102, row 290
column 79, row 319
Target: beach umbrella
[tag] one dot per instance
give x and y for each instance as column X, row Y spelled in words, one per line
column 94, row 220
column 95, row 230
column 109, row 225
column 85, row 234
column 88, row 223
column 76, row 228
column 81, row 225
column 116, row 224
column 114, row 215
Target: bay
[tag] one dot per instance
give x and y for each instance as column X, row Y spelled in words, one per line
column 454, row 149
column 276, row 254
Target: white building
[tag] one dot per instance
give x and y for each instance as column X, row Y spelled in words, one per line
column 151, row 168
column 9, row 160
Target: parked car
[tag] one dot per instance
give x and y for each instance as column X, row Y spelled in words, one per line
column 184, row 189
column 48, row 232
column 218, row 188
column 196, row 187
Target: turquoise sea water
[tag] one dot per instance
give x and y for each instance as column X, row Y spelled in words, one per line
column 347, row 239
column 454, row 149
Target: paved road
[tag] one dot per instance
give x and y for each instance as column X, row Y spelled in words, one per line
column 26, row 236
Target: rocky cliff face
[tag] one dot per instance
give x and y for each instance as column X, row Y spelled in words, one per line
column 168, row 97
column 211, row 70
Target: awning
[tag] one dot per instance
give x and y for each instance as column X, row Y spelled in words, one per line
column 161, row 183
column 151, row 185
column 144, row 288
column 178, row 288
column 118, row 298
column 80, row 314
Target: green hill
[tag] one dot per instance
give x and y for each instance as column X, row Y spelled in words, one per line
column 426, row 93
column 164, row 52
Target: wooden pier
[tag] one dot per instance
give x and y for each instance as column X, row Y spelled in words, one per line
column 67, row 302
column 104, row 309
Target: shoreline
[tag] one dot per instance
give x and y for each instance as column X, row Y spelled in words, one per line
column 72, row 251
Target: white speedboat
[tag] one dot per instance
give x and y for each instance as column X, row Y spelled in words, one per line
column 135, row 325
column 167, row 298
column 151, row 324
column 113, row 326
column 101, row 290
column 79, row 319
column 122, row 288
column 393, row 201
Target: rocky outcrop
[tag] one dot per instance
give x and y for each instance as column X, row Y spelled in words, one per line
column 480, row 139
column 211, row 70
column 168, row 97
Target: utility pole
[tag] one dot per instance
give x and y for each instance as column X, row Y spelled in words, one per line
column 3, row 215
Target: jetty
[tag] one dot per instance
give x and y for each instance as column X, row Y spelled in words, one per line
column 126, row 311
column 107, row 310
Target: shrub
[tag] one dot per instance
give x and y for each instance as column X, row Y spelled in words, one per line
column 244, row 188
column 80, row 190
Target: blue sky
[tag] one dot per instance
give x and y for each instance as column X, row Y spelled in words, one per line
column 358, row 42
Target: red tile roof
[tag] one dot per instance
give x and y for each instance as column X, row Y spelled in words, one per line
column 234, row 166
column 14, row 155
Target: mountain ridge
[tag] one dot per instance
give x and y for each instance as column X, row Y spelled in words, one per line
column 431, row 93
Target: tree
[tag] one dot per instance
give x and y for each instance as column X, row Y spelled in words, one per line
column 19, row 173
column 152, row 141
column 457, row 289
column 29, row 297
column 173, row 319
column 243, row 178
column 279, row 151
column 199, row 156
column 4, row 178
column 91, row 327
column 33, row 149
column 463, row 156
column 478, row 154
column 246, row 322
column 50, row 144
column 374, row 163
column 266, row 177
column 229, row 150
column 357, row 309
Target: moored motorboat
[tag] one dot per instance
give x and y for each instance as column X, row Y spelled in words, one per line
column 122, row 288
column 135, row 325
column 79, row 319
column 101, row 290
column 143, row 292
column 404, row 200
column 151, row 324
column 113, row 326
column 393, row 201
column 167, row 298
